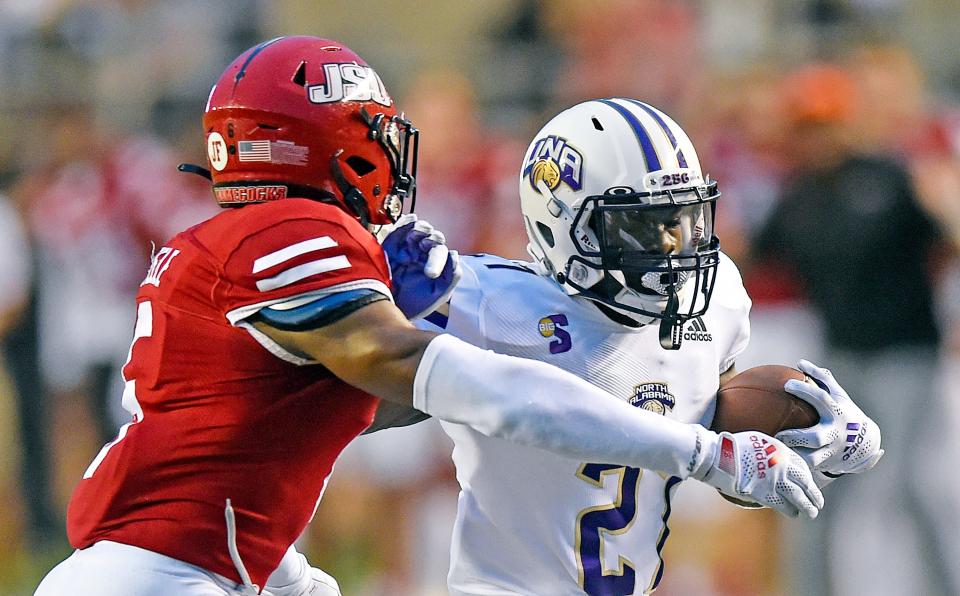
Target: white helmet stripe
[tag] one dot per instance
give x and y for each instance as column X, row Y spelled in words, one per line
column 681, row 160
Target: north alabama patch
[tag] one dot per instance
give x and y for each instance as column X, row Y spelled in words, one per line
column 249, row 194
column 654, row 396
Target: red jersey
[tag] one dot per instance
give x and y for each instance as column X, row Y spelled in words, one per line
column 221, row 411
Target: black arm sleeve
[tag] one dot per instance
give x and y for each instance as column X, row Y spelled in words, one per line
column 319, row 313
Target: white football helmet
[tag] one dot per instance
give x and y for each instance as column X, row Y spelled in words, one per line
column 618, row 211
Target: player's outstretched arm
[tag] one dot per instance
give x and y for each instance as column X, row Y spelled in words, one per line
column 374, row 348
column 525, row 401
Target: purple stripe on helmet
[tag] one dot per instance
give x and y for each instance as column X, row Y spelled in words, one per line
column 649, row 153
column 673, row 140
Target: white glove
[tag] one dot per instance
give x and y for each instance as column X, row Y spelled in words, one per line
column 753, row 467
column 295, row 577
column 845, row 441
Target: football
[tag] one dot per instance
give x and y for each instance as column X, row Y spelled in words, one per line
column 755, row 400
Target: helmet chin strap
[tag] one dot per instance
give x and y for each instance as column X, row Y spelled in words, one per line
column 671, row 331
column 189, row 168
column 604, row 295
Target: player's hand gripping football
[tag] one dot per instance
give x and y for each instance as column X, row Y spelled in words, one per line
column 845, row 441
column 754, row 467
column 424, row 272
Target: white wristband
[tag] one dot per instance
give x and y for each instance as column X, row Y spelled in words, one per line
column 536, row 404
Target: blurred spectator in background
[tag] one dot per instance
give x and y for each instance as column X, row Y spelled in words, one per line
column 648, row 48
column 19, row 346
column 850, row 228
column 94, row 218
column 891, row 116
column 927, row 137
column 741, row 124
column 466, row 178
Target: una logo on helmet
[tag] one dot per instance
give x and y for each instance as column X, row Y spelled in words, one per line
column 349, row 82
column 553, row 161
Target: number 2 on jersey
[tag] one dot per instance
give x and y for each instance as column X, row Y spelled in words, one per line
column 594, row 522
column 143, row 328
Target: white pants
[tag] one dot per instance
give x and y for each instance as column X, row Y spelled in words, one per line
column 114, row 569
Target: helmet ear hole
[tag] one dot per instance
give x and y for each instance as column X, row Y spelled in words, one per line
column 360, row 166
column 547, row 234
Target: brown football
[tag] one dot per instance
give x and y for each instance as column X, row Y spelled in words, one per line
column 755, row 400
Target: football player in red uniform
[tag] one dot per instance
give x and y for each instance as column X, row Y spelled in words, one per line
column 267, row 335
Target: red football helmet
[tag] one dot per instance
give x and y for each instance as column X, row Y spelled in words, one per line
column 307, row 117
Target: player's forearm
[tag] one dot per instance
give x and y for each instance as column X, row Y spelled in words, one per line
column 373, row 348
column 533, row 403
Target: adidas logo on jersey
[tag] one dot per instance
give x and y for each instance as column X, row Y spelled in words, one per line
column 696, row 330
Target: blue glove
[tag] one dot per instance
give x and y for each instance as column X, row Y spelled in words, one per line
column 424, row 272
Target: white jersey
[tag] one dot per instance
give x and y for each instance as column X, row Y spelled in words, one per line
column 531, row 522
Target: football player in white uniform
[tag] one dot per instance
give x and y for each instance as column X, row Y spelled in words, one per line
column 628, row 290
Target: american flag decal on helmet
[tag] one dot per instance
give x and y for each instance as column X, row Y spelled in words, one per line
column 279, row 152
column 254, row 150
